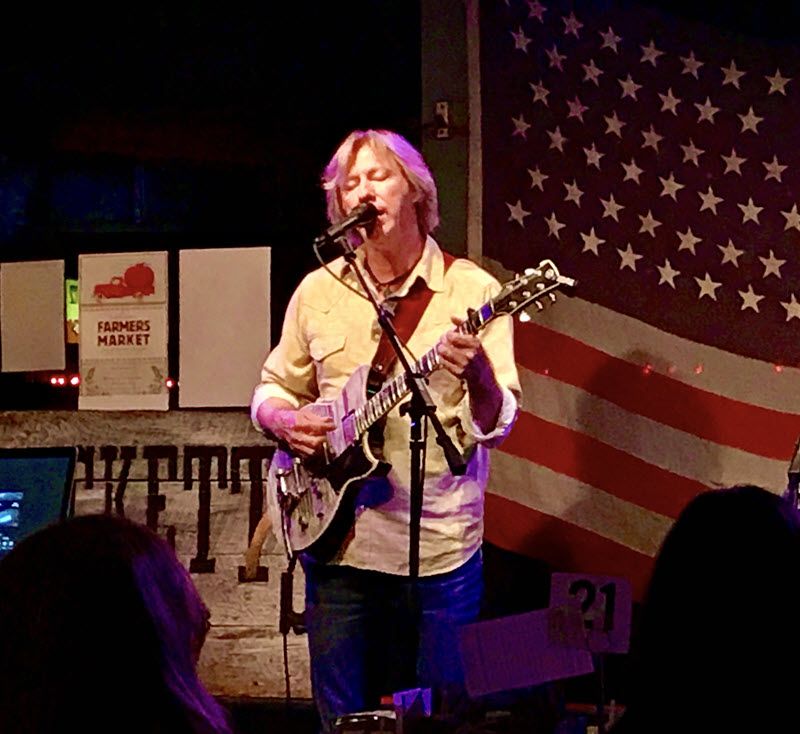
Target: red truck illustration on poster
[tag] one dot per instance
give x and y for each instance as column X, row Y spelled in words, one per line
column 138, row 280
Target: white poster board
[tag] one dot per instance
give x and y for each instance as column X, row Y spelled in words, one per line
column 123, row 331
column 224, row 324
column 32, row 316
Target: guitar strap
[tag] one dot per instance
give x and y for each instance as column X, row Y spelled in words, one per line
column 407, row 314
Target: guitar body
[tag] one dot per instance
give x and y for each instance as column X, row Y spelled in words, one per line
column 313, row 501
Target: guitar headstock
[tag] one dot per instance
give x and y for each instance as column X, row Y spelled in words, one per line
column 535, row 287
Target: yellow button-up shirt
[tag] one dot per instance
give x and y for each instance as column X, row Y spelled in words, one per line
column 329, row 330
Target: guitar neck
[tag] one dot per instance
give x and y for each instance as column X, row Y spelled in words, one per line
column 397, row 388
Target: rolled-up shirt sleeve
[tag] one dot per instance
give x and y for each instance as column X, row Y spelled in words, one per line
column 498, row 342
column 288, row 372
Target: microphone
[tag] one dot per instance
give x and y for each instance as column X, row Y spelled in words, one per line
column 362, row 214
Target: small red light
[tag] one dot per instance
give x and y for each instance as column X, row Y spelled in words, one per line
column 75, row 380
column 698, row 370
column 170, row 383
column 647, row 369
column 54, row 380
column 62, row 380
column 779, row 368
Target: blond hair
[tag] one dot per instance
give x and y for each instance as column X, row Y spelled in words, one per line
column 408, row 158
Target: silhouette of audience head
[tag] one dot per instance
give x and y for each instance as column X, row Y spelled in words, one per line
column 100, row 630
column 719, row 622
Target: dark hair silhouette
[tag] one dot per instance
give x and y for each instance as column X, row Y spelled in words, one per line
column 100, row 629
column 719, row 622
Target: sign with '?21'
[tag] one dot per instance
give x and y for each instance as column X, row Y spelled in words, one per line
column 603, row 603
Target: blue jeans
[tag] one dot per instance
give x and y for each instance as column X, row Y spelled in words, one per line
column 362, row 634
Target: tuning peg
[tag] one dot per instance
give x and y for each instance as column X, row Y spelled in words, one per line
column 530, row 271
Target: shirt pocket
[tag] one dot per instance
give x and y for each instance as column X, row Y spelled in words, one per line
column 331, row 363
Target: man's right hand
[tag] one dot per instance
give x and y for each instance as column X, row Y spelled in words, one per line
column 303, row 430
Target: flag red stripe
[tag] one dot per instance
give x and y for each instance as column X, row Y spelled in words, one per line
column 595, row 463
column 565, row 547
column 760, row 431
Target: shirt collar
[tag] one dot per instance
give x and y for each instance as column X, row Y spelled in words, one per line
column 430, row 267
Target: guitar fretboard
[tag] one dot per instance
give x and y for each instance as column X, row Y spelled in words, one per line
column 396, row 389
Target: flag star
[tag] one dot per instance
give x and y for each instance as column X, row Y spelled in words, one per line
column 667, row 273
column 576, row 108
column 778, row 83
column 591, row 242
column 670, row 186
column 730, row 253
column 591, row 73
column 628, row 258
column 557, row 140
column 691, row 152
column 614, row 124
column 517, row 213
column 537, row 178
column 651, row 139
column 553, row 225
column 732, row 75
column 573, row 193
column 706, row 110
column 536, row 10
column 750, row 211
column 556, row 59
column 521, row 41
column 650, row 53
column 629, row 87
column 632, row 171
column 750, row 299
column 593, row 156
column 611, row 208
column 540, row 93
column 733, row 162
column 649, row 224
column 572, row 25
column 710, row 201
column 792, row 308
column 750, row 121
column 610, row 39
column 792, row 218
column 669, row 102
column 772, row 265
column 688, row 240
column 520, row 127
column 774, row 169
column 691, row 64
column 708, row 287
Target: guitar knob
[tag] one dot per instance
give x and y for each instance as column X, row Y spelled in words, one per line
column 539, row 305
column 524, row 317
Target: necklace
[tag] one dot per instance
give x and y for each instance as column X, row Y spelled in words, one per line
column 387, row 283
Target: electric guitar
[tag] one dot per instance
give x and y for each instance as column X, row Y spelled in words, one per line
column 310, row 499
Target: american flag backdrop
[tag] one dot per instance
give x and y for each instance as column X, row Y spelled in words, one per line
column 657, row 160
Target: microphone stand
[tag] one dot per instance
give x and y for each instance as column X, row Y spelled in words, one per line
column 419, row 409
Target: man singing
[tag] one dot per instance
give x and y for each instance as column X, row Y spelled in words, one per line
column 357, row 602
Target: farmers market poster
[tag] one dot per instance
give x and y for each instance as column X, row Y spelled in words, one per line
column 123, row 331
